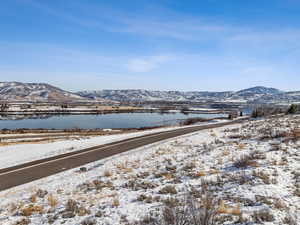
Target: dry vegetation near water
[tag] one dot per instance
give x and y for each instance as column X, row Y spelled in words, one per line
column 244, row 174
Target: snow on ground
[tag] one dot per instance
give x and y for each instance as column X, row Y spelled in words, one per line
column 253, row 170
column 22, row 153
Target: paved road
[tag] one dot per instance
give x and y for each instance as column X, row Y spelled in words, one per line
column 25, row 173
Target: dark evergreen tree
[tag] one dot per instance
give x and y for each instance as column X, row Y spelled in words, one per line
column 293, row 109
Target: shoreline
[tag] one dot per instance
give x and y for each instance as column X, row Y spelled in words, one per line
column 96, row 112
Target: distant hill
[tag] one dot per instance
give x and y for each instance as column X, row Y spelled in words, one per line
column 259, row 90
column 17, row 91
column 257, row 94
column 146, row 95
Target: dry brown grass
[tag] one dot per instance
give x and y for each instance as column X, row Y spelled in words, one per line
column 220, row 161
column 296, row 134
column 52, row 201
column 226, row 152
column 223, row 208
column 107, row 173
column 116, row 202
column 31, row 209
column 201, row 173
column 168, row 176
column 236, row 210
column 226, row 209
column 33, row 198
column 242, row 146
column 214, row 171
column 44, row 141
column 122, row 165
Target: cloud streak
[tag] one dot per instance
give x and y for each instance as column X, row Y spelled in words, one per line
column 143, row 65
column 175, row 26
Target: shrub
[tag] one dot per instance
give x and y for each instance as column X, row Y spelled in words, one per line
column 263, row 215
column 293, row 109
column 168, row 190
column 24, row 221
column 41, row 193
column 244, row 162
column 71, row 206
column 290, row 219
column 89, row 221
column 188, row 210
column 264, row 176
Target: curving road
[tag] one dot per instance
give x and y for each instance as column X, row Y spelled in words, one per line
column 25, row 173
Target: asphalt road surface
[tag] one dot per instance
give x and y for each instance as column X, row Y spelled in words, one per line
column 25, row 173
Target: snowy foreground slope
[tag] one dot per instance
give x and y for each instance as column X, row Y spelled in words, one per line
column 250, row 172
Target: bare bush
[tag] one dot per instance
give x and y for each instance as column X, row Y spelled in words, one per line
column 263, row 215
column 290, row 219
column 71, row 205
column 244, row 162
column 168, row 190
column 249, row 159
column 24, row 221
column 188, row 210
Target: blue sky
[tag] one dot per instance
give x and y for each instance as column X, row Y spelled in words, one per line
column 151, row 44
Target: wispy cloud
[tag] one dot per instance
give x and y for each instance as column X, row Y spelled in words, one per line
column 49, row 55
column 174, row 26
column 91, row 16
column 142, row 65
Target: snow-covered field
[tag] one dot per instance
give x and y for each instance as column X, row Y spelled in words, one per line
column 252, row 171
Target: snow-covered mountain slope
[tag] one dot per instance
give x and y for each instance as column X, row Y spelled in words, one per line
column 146, row 95
column 255, row 94
column 17, row 91
column 259, row 90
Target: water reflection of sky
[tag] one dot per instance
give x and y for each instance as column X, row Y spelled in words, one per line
column 121, row 120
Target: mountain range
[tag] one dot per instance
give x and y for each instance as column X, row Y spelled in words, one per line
column 42, row 92
column 257, row 94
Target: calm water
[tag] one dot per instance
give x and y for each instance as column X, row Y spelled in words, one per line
column 121, row 120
